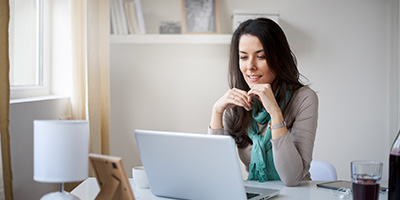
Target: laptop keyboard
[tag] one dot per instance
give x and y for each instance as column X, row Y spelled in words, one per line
column 251, row 195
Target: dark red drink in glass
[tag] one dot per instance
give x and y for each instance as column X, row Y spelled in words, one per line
column 365, row 189
column 366, row 177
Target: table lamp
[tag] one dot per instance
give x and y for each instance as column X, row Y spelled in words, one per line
column 60, row 153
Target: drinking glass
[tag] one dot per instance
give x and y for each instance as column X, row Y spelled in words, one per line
column 366, row 177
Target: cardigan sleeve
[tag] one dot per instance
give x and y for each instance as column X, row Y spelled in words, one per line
column 220, row 131
column 293, row 151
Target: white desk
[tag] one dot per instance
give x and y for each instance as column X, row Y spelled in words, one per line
column 305, row 190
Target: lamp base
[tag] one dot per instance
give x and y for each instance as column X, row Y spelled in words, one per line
column 59, row 195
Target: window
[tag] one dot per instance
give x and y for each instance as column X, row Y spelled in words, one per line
column 28, row 76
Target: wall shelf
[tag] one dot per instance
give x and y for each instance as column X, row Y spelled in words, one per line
column 172, row 39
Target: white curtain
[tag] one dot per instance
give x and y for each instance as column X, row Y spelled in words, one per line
column 88, row 81
column 98, row 73
column 79, row 55
column 90, row 96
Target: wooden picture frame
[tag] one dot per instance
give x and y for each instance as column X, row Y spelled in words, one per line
column 111, row 177
column 200, row 16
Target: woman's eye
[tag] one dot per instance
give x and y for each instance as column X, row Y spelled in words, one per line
column 243, row 57
column 261, row 57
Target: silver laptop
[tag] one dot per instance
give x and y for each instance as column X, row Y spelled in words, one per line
column 194, row 166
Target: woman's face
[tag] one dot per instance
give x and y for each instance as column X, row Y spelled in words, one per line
column 252, row 61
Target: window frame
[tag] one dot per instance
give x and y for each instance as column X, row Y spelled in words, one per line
column 43, row 87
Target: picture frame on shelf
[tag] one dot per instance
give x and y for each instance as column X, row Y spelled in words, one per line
column 200, row 16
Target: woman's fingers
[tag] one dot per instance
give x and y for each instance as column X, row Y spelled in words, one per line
column 239, row 98
column 264, row 93
column 233, row 97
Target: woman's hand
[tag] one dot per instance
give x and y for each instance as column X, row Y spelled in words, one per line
column 264, row 93
column 233, row 97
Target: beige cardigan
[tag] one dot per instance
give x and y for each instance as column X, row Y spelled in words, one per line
column 293, row 151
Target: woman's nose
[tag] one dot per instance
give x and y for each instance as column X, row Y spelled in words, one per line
column 251, row 65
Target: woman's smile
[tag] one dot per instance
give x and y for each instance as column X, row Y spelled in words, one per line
column 254, row 78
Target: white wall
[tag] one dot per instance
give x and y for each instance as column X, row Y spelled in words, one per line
column 164, row 87
column 343, row 48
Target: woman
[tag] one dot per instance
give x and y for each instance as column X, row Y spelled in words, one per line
column 270, row 114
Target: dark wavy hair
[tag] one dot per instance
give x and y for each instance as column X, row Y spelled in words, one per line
column 281, row 61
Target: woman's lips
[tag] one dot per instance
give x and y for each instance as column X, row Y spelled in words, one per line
column 254, row 78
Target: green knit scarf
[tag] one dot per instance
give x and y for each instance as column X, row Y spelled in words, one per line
column 262, row 166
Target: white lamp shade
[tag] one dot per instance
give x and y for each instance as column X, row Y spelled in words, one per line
column 60, row 150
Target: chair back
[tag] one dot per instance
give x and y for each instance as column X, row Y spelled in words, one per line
column 322, row 171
